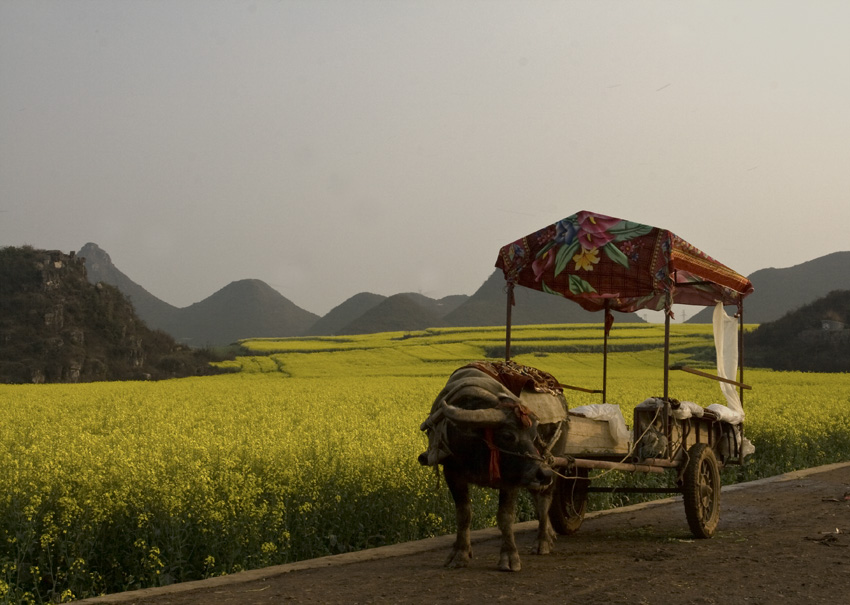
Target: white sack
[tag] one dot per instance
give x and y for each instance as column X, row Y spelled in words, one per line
column 608, row 412
column 686, row 409
column 726, row 414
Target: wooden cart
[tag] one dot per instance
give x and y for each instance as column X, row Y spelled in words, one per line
column 614, row 265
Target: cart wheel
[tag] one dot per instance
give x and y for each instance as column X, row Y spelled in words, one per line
column 569, row 503
column 701, row 490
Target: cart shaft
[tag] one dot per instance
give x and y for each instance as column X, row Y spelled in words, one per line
column 604, row 464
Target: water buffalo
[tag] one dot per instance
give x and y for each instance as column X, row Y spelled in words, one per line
column 484, row 434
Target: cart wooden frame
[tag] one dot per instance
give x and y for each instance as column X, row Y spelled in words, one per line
column 608, row 264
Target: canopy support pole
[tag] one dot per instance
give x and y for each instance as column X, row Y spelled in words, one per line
column 741, row 349
column 668, row 311
column 510, row 290
column 607, row 326
column 741, row 363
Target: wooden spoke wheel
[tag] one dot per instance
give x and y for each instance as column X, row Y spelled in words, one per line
column 569, row 502
column 701, row 491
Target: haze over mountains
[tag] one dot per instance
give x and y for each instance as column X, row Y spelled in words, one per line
column 251, row 308
column 242, row 309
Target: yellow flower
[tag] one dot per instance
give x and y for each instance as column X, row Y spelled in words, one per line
column 585, row 259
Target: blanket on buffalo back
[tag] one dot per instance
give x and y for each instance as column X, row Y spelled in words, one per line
column 517, row 377
column 539, row 391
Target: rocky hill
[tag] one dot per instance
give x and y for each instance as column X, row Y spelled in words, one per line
column 778, row 291
column 56, row 326
column 814, row 338
column 156, row 313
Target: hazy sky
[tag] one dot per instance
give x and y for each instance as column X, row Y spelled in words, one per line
column 335, row 147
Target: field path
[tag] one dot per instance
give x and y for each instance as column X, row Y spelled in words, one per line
column 783, row 539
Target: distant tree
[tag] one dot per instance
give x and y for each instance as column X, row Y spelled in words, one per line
column 797, row 341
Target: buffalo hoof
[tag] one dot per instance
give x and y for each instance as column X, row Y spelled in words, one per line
column 544, row 546
column 509, row 561
column 459, row 558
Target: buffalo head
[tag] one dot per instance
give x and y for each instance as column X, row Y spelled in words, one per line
column 496, row 446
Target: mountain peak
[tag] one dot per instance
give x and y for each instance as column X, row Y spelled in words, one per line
column 242, row 309
column 247, row 285
column 343, row 314
column 246, row 308
column 154, row 312
column 399, row 312
column 95, row 255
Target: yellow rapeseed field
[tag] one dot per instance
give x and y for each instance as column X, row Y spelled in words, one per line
column 310, row 449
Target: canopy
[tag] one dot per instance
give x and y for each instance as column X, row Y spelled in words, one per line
column 598, row 260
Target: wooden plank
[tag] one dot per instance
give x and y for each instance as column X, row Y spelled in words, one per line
column 582, row 389
column 603, row 464
column 712, row 376
column 586, row 436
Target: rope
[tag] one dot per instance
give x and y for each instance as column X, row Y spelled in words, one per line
column 495, row 474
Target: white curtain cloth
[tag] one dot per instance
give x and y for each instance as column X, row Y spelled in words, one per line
column 726, row 346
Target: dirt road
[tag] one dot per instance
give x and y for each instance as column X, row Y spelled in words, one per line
column 783, row 540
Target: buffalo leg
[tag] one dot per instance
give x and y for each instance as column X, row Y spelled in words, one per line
column 509, row 556
column 462, row 549
column 545, row 533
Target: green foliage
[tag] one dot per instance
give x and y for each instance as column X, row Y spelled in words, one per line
column 797, row 340
column 309, row 450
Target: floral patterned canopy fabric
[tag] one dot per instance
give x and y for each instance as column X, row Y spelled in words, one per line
column 592, row 258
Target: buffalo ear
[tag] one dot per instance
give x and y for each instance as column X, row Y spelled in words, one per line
column 485, row 417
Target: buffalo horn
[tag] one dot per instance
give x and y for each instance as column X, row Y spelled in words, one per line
column 434, row 418
column 471, row 391
column 487, row 416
